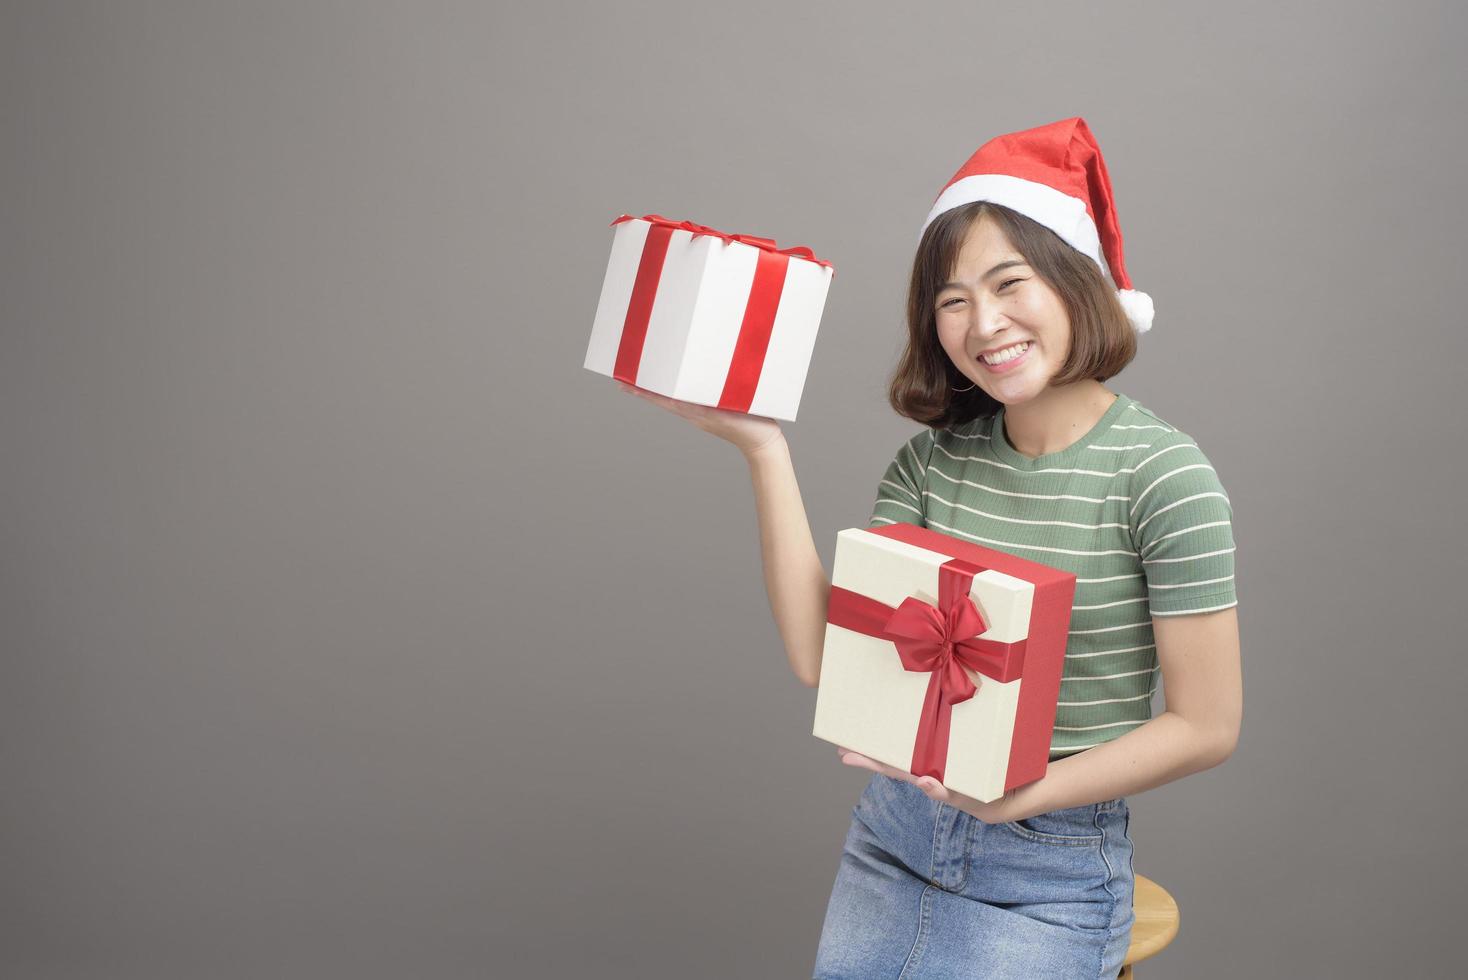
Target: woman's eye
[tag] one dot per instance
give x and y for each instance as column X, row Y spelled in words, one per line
column 957, row 299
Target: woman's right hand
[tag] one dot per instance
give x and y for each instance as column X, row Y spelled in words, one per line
column 750, row 433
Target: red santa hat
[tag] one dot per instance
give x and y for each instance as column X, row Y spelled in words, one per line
column 1053, row 174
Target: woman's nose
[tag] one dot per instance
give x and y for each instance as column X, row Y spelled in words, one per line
column 985, row 320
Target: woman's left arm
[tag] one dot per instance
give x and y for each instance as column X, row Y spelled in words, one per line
column 1203, row 678
column 1202, row 675
column 1181, row 523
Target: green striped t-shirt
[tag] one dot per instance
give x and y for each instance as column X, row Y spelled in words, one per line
column 1133, row 508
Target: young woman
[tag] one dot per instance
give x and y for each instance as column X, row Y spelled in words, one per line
column 1013, row 327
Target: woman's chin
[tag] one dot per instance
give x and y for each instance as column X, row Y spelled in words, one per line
column 1017, row 390
column 1012, row 394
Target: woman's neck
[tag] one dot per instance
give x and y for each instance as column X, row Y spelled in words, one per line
column 1056, row 418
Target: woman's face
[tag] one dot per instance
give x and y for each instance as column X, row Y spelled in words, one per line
column 989, row 305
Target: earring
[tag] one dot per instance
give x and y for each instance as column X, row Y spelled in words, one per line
column 969, row 388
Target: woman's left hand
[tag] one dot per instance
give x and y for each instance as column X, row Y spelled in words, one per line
column 996, row 811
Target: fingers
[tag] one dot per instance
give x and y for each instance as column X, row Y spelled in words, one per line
column 934, row 789
column 930, row 786
column 851, row 758
column 651, row 396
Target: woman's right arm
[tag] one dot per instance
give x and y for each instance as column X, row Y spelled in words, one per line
column 795, row 580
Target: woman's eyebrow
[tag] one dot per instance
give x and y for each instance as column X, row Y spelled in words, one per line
column 998, row 268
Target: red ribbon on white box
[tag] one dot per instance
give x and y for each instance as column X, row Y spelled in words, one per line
column 942, row 640
column 759, row 311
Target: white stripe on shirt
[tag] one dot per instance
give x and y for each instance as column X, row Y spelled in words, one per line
column 1028, row 547
column 1179, row 503
column 1016, row 520
column 934, row 468
column 1180, row 469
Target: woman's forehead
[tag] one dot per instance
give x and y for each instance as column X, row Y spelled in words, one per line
column 985, row 238
column 980, row 258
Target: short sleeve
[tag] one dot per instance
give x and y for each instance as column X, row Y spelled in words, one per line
column 900, row 492
column 1182, row 528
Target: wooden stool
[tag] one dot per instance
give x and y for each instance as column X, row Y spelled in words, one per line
column 1156, row 924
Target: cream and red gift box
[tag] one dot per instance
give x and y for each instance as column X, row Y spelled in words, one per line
column 696, row 314
column 943, row 658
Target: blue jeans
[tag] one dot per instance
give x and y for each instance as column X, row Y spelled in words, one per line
column 927, row 891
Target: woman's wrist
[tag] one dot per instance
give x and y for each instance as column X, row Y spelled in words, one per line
column 771, row 447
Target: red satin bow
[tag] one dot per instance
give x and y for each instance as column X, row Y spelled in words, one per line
column 766, row 244
column 924, row 637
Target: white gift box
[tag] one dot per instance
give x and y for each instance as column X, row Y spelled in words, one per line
column 883, row 696
column 723, row 320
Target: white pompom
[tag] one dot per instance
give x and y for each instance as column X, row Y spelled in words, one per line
column 1138, row 307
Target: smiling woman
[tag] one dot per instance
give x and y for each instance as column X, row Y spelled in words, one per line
column 1012, row 329
column 1013, row 326
column 985, row 278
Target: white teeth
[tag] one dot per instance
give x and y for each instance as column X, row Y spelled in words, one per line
column 1008, row 354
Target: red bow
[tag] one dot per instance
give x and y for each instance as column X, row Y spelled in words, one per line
column 925, row 639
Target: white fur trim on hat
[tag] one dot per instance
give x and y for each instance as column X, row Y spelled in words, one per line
column 1061, row 213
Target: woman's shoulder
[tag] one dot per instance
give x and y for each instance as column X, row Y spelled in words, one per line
column 957, row 442
column 936, row 443
column 1139, row 416
column 1166, row 463
column 1151, row 431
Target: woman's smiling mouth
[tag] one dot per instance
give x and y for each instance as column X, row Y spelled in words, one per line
column 1012, row 357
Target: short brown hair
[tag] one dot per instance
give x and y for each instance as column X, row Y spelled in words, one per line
column 1102, row 339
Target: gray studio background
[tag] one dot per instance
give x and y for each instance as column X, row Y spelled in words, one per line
column 351, row 629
